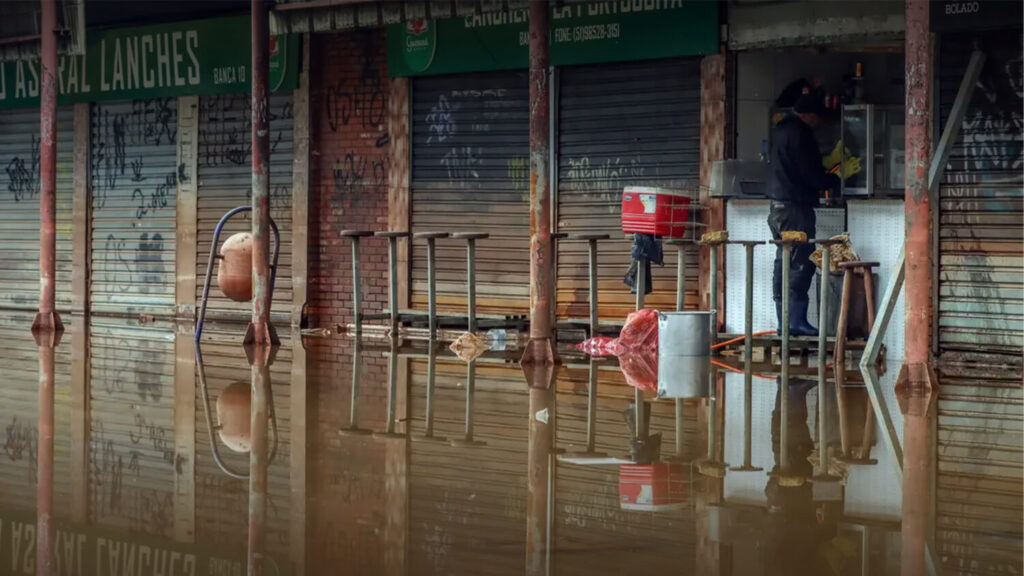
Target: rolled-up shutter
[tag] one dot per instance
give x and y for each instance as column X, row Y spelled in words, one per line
column 19, row 207
column 225, row 182
column 981, row 313
column 134, row 195
column 981, row 241
column 621, row 125
column 470, row 173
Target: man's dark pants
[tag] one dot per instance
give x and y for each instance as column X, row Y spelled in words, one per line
column 785, row 216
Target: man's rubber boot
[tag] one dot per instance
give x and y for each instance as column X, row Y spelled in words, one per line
column 798, row 325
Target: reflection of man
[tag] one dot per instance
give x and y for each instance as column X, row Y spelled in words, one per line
column 797, row 178
column 795, row 532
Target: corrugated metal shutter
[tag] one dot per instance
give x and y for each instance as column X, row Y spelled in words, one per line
column 222, row 502
column 470, row 173
column 467, row 505
column 134, row 191
column 978, row 492
column 19, row 207
column 225, row 182
column 981, row 239
column 620, row 125
column 19, row 412
column 131, row 422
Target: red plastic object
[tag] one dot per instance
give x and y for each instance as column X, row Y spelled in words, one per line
column 636, row 348
column 651, row 487
column 657, row 211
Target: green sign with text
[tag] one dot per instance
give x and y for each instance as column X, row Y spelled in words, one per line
column 182, row 59
column 582, row 33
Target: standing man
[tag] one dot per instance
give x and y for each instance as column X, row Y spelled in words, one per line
column 797, row 179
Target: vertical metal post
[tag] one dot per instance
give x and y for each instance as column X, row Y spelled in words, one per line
column 680, row 450
column 539, row 350
column 353, row 409
column 918, row 208
column 748, row 360
column 539, row 459
column 787, row 253
column 592, row 406
column 470, row 393
column 824, row 458
column 44, row 463
column 389, row 425
column 357, row 293
column 432, row 287
column 594, row 298
column 393, row 283
column 428, row 431
column 681, row 277
column 258, row 461
column 638, row 394
column 47, row 318
column 260, row 331
column 713, row 300
column 471, row 282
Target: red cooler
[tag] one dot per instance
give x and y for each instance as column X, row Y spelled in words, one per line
column 657, row 211
column 651, row 487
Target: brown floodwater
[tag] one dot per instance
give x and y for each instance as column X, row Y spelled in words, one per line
column 126, row 455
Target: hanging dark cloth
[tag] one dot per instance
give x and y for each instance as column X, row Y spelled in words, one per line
column 648, row 247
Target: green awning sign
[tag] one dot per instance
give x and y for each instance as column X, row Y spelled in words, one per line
column 194, row 58
column 581, row 33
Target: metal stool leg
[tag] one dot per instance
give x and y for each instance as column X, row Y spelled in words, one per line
column 681, row 278
column 471, row 283
column 357, row 297
column 748, row 361
column 824, row 458
column 353, row 428
column 389, row 426
column 393, row 283
column 432, row 287
column 638, row 394
column 592, row 261
column 467, row 439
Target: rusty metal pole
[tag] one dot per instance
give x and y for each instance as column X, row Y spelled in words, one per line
column 258, row 461
column 539, row 477
column 918, row 407
column 44, row 464
column 540, row 350
column 260, row 331
column 47, row 318
column 918, row 208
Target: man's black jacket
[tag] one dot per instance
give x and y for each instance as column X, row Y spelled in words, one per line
column 796, row 172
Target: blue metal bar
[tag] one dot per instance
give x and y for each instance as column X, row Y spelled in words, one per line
column 213, row 256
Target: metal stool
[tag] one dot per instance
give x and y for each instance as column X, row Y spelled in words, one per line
column 824, row 458
column 467, row 439
column 431, row 238
column 589, row 452
column 389, row 426
column 680, row 245
column 357, row 297
column 428, row 420
column 353, row 428
column 393, row 237
column 748, row 354
column 591, row 240
column 471, row 238
column 555, row 237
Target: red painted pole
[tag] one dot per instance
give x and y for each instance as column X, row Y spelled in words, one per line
column 260, row 331
column 918, row 407
column 47, row 318
column 539, row 475
column 542, row 292
column 918, row 207
column 44, row 463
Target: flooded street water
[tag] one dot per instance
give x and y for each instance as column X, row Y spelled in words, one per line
column 381, row 457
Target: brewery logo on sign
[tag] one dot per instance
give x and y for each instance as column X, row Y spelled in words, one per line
column 420, row 43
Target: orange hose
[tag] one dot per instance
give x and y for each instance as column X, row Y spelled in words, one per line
column 741, row 338
column 734, row 369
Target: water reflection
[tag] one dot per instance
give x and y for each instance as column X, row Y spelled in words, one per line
column 479, row 467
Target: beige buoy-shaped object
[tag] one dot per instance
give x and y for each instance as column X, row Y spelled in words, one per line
column 234, row 272
column 233, row 407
